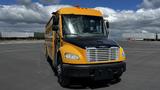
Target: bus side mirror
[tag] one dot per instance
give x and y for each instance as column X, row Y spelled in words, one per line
column 55, row 26
column 55, row 20
column 107, row 24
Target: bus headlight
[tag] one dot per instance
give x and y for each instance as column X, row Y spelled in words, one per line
column 71, row 56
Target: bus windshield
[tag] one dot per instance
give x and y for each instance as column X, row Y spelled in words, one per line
column 82, row 25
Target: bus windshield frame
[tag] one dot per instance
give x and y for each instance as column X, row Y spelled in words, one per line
column 83, row 26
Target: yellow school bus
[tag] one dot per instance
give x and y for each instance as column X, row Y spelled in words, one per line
column 77, row 46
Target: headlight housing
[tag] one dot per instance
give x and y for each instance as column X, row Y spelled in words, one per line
column 71, row 56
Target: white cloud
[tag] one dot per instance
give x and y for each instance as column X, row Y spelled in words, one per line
column 147, row 4
column 20, row 13
column 30, row 14
column 33, row 16
column 108, row 12
column 35, row 13
column 132, row 21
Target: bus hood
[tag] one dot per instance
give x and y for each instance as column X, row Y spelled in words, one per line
column 84, row 42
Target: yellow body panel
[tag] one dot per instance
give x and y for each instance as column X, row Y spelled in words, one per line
column 80, row 11
column 70, row 48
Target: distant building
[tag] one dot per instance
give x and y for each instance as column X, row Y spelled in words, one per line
column 139, row 36
column 16, row 34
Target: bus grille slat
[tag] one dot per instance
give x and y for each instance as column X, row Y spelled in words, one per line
column 102, row 54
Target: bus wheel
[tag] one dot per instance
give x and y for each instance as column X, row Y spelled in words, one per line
column 63, row 81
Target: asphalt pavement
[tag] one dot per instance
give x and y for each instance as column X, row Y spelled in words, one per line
column 23, row 67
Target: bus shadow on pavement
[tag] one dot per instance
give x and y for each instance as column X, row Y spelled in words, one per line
column 86, row 83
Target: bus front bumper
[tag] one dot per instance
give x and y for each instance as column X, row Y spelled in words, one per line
column 96, row 71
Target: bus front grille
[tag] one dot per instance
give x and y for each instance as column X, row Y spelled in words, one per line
column 102, row 54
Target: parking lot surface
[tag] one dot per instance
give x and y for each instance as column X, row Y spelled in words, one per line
column 23, row 67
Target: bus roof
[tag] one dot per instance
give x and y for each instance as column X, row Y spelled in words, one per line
column 79, row 11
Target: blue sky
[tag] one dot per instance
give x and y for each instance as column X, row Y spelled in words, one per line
column 114, row 4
